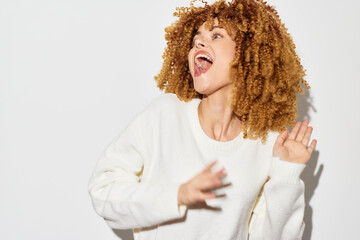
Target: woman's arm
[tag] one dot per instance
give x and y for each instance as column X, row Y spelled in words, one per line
column 115, row 188
column 279, row 211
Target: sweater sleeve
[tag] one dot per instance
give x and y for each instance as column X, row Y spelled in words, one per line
column 279, row 210
column 117, row 192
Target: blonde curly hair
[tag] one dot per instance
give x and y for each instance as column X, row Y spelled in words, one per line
column 266, row 72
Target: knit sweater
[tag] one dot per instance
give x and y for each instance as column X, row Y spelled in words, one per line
column 136, row 181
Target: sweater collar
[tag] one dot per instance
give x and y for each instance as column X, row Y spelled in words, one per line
column 203, row 137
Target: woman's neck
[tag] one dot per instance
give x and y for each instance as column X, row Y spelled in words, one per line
column 217, row 118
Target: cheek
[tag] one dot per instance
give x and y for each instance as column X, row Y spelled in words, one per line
column 229, row 56
column 231, row 52
column 190, row 62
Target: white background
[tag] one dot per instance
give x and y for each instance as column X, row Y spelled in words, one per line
column 74, row 73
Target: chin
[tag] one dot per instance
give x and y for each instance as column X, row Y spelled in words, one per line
column 202, row 87
column 203, row 90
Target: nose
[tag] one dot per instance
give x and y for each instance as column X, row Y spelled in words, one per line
column 199, row 43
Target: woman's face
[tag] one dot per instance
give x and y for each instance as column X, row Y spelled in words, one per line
column 209, row 58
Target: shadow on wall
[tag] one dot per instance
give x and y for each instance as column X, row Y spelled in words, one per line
column 124, row 234
column 310, row 178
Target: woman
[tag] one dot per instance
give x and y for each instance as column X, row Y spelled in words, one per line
column 231, row 75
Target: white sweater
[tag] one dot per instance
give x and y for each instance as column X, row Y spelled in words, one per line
column 136, row 181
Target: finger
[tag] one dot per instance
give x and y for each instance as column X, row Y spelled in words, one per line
column 302, row 131
column 215, row 178
column 307, row 136
column 208, row 184
column 222, row 173
column 281, row 138
column 209, row 166
column 312, row 146
column 206, row 195
column 219, row 174
column 209, row 181
column 294, row 131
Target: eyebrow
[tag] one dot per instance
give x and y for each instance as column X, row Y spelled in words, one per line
column 198, row 32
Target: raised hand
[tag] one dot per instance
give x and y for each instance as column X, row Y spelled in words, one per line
column 197, row 188
column 295, row 147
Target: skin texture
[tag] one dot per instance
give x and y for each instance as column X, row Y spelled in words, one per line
column 197, row 189
column 216, row 117
column 294, row 148
column 221, row 47
column 219, row 121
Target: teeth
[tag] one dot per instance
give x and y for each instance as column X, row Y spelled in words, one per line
column 197, row 62
column 204, row 56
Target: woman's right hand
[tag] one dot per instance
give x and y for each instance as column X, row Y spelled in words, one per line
column 197, row 189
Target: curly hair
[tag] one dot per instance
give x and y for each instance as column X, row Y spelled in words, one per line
column 266, row 72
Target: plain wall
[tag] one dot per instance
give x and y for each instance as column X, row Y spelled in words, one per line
column 74, row 73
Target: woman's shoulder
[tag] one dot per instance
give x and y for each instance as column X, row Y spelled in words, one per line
column 165, row 102
column 156, row 111
column 165, row 98
column 160, row 107
column 270, row 140
column 272, row 135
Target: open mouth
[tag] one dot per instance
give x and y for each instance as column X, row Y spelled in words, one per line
column 203, row 62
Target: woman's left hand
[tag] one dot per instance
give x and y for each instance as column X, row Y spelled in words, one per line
column 295, row 147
